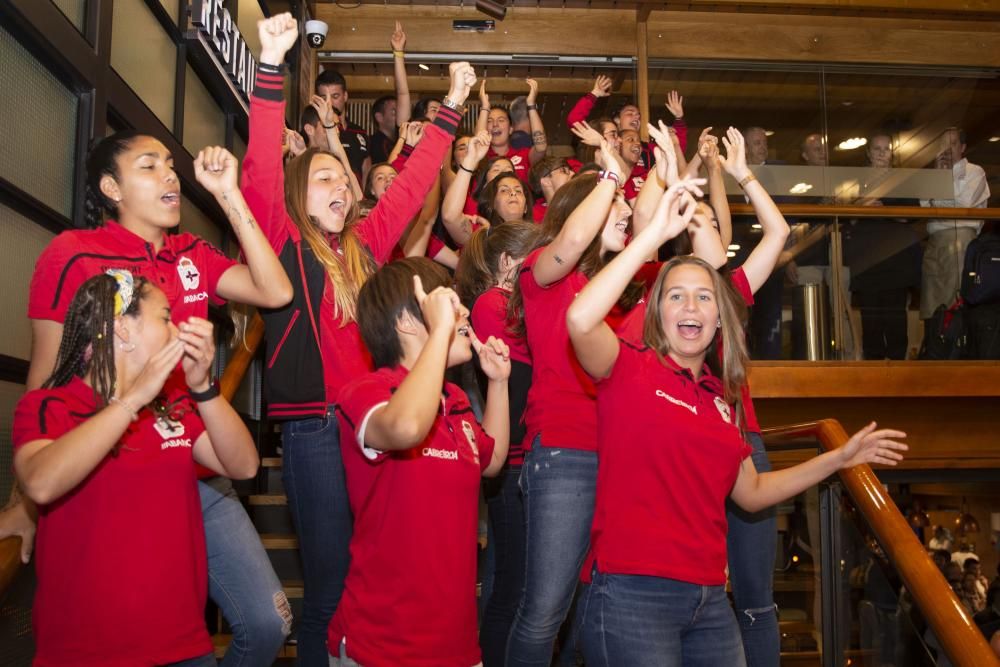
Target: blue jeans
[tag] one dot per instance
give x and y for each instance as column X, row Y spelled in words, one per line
column 656, row 622
column 506, row 516
column 313, row 475
column 241, row 580
column 558, row 486
column 751, row 544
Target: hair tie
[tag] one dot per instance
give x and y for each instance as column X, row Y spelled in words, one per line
column 126, row 288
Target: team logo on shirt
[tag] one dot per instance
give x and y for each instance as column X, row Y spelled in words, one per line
column 362, row 141
column 515, row 160
column 724, row 411
column 171, row 432
column 637, row 182
column 676, row 401
column 190, row 276
column 470, row 435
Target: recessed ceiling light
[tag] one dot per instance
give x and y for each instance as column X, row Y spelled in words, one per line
column 851, row 144
column 755, row 225
column 847, row 103
column 768, row 133
column 801, row 188
column 994, row 139
column 424, row 67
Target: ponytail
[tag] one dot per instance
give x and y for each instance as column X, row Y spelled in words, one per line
column 479, row 264
column 102, row 160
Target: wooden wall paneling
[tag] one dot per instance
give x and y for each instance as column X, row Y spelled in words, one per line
column 642, row 72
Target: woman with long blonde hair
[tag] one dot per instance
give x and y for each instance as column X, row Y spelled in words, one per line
column 314, row 348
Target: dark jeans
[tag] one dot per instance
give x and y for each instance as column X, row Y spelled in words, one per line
column 751, row 544
column 883, row 323
column 558, row 486
column 313, row 475
column 207, row 660
column 507, row 521
column 765, row 318
column 656, row 622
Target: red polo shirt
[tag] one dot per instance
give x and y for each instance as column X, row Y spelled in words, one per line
column 634, row 182
column 187, row 268
column 519, row 157
column 121, row 558
column 669, row 455
column 561, row 400
column 410, row 593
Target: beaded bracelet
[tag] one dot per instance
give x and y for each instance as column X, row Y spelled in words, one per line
column 125, row 406
column 746, row 179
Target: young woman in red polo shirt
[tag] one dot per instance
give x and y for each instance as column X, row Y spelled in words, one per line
column 414, row 455
column 107, row 450
column 131, row 178
column 313, row 345
column 486, row 273
column 496, row 121
column 586, row 219
column 658, row 544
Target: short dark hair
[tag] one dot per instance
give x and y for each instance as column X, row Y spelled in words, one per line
column 386, row 296
column 420, row 108
column 309, row 117
column 329, row 77
column 621, row 107
column 543, row 168
column 961, row 134
column 378, row 106
column 971, row 560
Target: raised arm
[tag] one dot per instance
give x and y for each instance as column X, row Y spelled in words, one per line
column 407, row 418
column 331, row 128
column 226, row 446
column 403, row 105
column 539, row 143
column 594, row 342
column 559, row 257
column 484, row 107
column 764, row 257
column 455, row 220
column 581, row 110
column 494, row 360
column 262, row 281
column 708, row 154
column 755, row 491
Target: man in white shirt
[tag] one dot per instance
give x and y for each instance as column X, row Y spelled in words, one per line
column 948, row 239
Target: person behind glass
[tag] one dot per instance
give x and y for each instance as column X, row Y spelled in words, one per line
column 587, row 219
column 332, row 85
column 313, row 345
column 658, row 557
column 130, row 178
column 414, row 455
column 485, row 276
column 947, row 240
column 106, row 448
column 884, row 257
column 546, row 177
column 497, row 122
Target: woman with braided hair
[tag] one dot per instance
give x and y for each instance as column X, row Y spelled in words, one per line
column 107, row 450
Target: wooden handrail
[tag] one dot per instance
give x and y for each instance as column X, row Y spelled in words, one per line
column 953, row 626
column 847, row 211
column 10, row 561
column 238, row 364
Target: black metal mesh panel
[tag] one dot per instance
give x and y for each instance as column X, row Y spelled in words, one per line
column 37, row 156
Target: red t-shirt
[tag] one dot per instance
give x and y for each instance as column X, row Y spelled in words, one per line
column 630, row 328
column 410, row 593
column 489, row 318
column 634, row 182
column 538, row 210
column 121, row 558
column 187, row 268
column 561, row 399
column 660, row 506
column 519, row 157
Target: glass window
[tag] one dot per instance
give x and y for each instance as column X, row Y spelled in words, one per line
column 249, row 14
column 10, row 393
column 75, row 11
column 39, row 158
column 21, row 241
column 204, row 121
column 194, row 221
column 145, row 57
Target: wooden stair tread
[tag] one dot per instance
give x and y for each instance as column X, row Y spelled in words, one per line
column 279, row 541
column 292, row 587
column 221, row 643
column 268, row 499
column 270, row 462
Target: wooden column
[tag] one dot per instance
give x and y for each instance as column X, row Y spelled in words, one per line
column 642, row 68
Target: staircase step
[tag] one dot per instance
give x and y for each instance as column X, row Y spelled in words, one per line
column 279, row 541
column 270, row 462
column 268, row 499
column 222, row 641
column 293, row 588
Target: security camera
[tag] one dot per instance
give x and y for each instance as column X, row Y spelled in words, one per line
column 316, row 32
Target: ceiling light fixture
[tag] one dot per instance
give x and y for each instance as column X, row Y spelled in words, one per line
column 424, row 67
column 851, row 144
column 993, row 140
column 801, row 188
column 768, row 133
